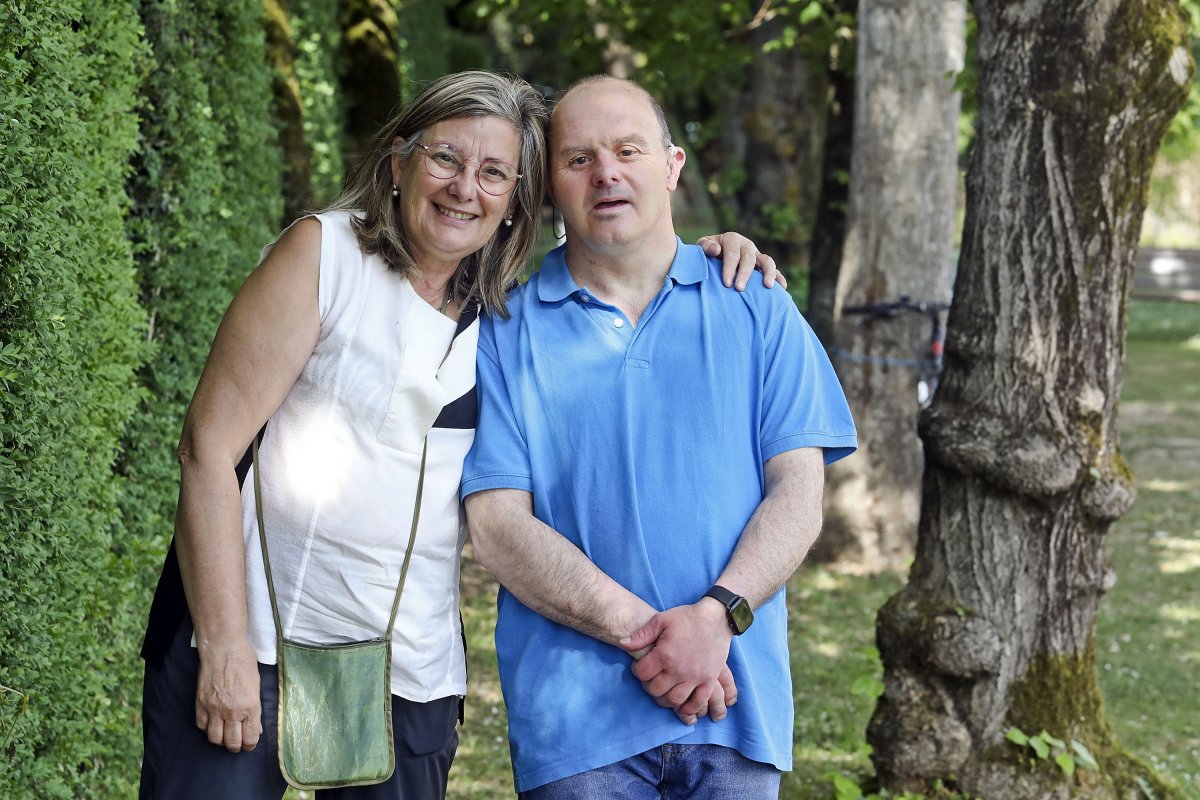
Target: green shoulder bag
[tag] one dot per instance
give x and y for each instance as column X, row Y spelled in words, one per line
column 335, row 701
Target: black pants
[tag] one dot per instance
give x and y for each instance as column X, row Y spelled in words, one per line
column 179, row 763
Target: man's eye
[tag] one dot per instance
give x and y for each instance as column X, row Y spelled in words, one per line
column 578, row 161
column 629, row 152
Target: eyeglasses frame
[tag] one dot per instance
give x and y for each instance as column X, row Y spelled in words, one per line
column 465, row 160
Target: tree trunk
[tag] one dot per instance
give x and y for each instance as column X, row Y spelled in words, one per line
column 289, row 111
column 833, row 201
column 775, row 132
column 370, row 82
column 898, row 244
column 996, row 626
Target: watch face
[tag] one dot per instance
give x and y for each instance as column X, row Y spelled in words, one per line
column 741, row 615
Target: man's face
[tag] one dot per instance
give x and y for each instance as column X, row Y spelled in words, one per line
column 610, row 174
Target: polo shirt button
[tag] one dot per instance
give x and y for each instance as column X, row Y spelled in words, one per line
column 618, row 322
column 584, row 298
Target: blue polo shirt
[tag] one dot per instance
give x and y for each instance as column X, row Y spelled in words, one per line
column 644, row 446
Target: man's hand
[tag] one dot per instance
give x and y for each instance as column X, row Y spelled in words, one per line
column 685, row 669
column 228, row 707
column 740, row 257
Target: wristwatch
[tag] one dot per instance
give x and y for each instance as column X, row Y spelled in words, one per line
column 737, row 610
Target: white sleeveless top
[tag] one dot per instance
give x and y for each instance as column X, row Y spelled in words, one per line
column 340, row 460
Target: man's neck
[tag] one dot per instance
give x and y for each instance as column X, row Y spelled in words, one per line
column 626, row 276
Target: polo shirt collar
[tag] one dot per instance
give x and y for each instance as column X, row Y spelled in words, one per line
column 555, row 283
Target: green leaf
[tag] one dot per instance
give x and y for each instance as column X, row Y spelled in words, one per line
column 1065, row 763
column 1040, row 747
column 1084, row 756
column 867, row 686
column 1050, row 740
column 810, row 12
column 844, row 788
column 1017, row 736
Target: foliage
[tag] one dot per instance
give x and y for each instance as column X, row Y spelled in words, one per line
column 1044, row 747
column 206, row 198
column 318, row 40
column 695, row 59
column 1183, row 137
column 70, row 340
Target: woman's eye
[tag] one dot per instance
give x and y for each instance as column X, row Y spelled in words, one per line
column 446, row 158
column 578, row 161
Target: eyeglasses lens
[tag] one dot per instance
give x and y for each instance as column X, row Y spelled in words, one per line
column 445, row 162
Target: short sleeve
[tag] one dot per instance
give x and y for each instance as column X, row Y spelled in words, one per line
column 803, row 402
column 499, row 458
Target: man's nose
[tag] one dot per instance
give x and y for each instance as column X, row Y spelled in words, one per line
column 605, row 170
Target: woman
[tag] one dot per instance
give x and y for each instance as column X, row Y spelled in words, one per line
column 352, row 341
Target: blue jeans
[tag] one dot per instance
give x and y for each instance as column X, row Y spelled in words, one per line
column 669, row 772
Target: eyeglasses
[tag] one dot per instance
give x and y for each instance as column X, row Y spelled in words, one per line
column 445, row 161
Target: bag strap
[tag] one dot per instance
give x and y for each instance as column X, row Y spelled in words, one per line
column 262, row 538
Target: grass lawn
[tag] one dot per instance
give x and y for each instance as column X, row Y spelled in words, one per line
column 1148, row 634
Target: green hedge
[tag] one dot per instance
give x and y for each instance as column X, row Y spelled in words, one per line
column 206, row 194
column 71, row 338
column 120, row 247
column 318, row 38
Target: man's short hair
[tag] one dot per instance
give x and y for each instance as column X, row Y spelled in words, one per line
column 658, row 111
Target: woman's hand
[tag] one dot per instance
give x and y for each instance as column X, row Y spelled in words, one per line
column 740, row 257
column 227, row 700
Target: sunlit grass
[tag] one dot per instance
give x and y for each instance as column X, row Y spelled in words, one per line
column 1148, row 633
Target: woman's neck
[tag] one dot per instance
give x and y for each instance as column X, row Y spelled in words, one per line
column 436, row 289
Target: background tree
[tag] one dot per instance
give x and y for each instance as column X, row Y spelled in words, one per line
column 289, row 110
column 746, row 85
column 995, row 629
column 898, row 244
column 371, row 79
column 773, row 136
column 833, row 199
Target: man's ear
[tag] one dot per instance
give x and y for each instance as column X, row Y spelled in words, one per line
column 676, row 158
column 397, row 161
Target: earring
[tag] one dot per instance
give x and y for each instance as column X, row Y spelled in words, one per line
column 508, row 221
column 395, row 190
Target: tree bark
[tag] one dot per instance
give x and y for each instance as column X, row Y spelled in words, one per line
column 289, row 111
column 774, row 132
column 371, row 81
column 898, row 244
column 833, row 200
column 996, row 626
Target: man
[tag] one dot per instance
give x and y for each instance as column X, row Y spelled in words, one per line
column 648, row 469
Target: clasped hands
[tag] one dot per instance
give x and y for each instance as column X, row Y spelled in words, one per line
column 680, row 657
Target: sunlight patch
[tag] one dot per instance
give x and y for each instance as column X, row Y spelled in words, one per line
column 1159, row 485
column 1177, row 613
column 1184, row 555
column 829, row 649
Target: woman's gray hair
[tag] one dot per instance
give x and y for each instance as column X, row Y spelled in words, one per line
column 486, row 275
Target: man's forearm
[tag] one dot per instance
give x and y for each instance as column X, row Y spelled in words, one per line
column 778, row 536
column 546, row 572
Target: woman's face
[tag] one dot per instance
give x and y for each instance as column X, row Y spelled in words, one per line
column 447, row 219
